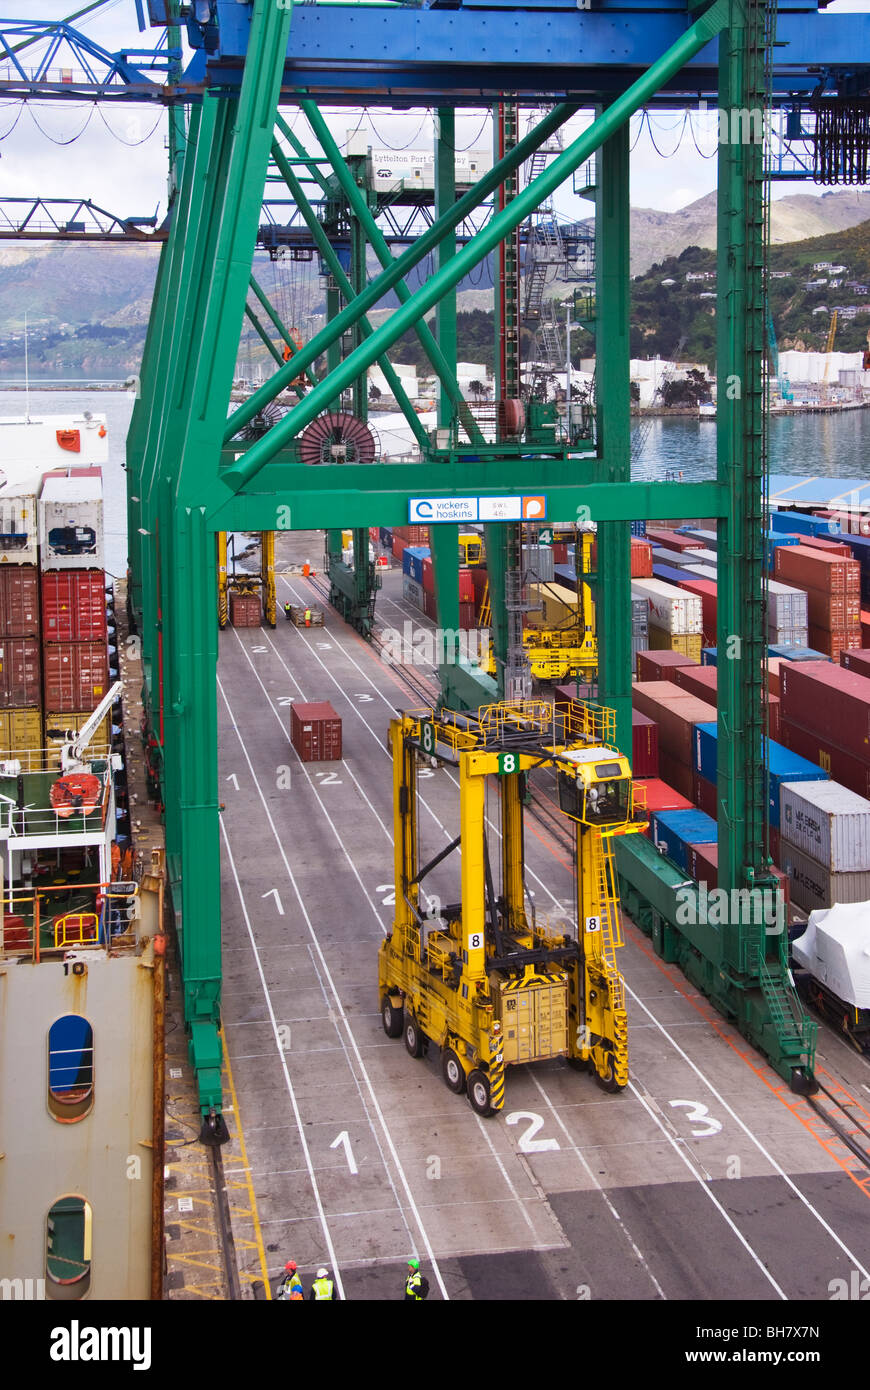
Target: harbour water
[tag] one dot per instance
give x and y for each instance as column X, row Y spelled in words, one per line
column 834, row 445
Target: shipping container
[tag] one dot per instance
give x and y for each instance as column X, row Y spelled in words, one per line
column 430, row 607
column 385, row 535
column 786, row 605
column 847, row 769
column 246, row 610
column 412, row 561
column 668, row 573
column 70, row 511
column 538, row 562
column 553, row 606
column 412, row 592
column 865, row 628
column 830, row 546
column 676, row 712
column 19, row 601
column 788, row 638
column 673, row 540
column 315, row 732
column 797, row 654
column 76, row 675
column 674, row 831
column 700, row 681
column 829, row 822
column 834, row 643
column 783, row 765
column 21, row 737
column 704, row 795
column 684, row 643
column 660, row 666
column 706, row 591
column 19, row 530
column 428, row 579
column 19, row 673
column 814, row 885
column 830, row 701
column 678, row 559
column 799, row 523
column 61, row 728
column 400, row 545
column 814, row 569
column 669, row 607
column 676, row 773
column 702, row 862
column 74, row 606
column 644, row 745
column 703, row 572
column 827, row 610
column 655, row 795
column 857, row 661
column 467, row 616
column 708, row 656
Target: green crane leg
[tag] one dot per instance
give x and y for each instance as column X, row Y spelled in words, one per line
column 695, row 38
column 444, row 539
column 614, row 426
column 414, row 254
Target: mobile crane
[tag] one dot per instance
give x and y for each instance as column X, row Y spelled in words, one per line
column 482, row 978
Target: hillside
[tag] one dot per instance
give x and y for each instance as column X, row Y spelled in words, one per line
column 87, row 305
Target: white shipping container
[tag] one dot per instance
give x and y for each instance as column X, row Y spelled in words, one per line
column 813, row 885
column 709, row 538
column 70, row 511
column 680, row 559
column 787, row 636
column 702, row 571
column 538, row 562
column 412, row 592
column 827, row 821
column 786, row 606
column 19, row 538
column 670, row 608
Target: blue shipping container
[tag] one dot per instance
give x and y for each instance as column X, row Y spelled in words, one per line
column 708, row 656
column 802, row 525
column 797, row 653
column 565, row 574
column 638, row 528
column 670, row 574
column 673, row 831
column 784, row 766
column 774, row 540
column 412, row 561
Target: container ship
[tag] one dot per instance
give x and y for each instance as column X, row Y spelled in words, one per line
column 80, row 973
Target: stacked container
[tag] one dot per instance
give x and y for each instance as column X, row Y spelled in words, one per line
column 782, row 763
column 676, row 713
column 674, row 616
column 75, row 654
column 787, row 620
column 639, row 629
column 825, row 843
column 826, row 717
column 20, row 685
column 833, row 587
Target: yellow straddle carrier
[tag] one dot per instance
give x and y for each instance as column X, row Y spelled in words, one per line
column 482, row 977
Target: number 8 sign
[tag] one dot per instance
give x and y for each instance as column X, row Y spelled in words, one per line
column 508, row 762
column 475, row 941
column 427, row 735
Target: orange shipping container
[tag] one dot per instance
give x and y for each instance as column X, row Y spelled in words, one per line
column 73, row 606
column 19, row 673
column 19, row 601
column 76, row 675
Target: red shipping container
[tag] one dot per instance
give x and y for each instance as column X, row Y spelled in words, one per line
column 700, row 681
column 703, row 863
column 430, row 607
column 704, row 794
column 467, row 616
column 774, row 717
column 857, row 661
column 658, row 666
column 315, row 732
column 829, row 610
column 19, row 601
column 676, row 712
column 842, row 767
column 641, row 558
column 865, row 628
column 479, row 578
column 834, row 641
column 774, row 666
column 466, row 586
column 74, row 606
column 428, row 575
column 773, row 841
column 644, row 745
column 705, row 589
column 814, row 569
column 76, row 675
column 673, row 540
column 399, row 545
column 560, row 552
column 676, row 773
column 19, row 675
column 246, row 610
column 830, row 547
column 828, row 701
column 656, row 795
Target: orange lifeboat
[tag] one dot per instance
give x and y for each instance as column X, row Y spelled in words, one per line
column 76, row 794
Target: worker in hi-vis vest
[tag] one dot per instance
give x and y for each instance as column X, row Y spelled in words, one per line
column 308, row 617
column 323, row 1288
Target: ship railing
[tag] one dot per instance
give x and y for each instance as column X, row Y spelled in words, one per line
column 34, row 819
column 105, row 922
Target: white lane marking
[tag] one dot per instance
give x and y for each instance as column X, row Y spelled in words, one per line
column 484, row 1129
column 597, row 1185
column 287, row 1081
column 680, row 1149
column 340, row 1011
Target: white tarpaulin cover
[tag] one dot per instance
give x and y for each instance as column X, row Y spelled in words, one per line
column 835, row 948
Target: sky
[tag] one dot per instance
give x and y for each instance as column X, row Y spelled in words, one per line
column 116, row 156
